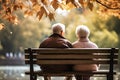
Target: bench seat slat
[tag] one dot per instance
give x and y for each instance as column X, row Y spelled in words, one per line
column 28, row 62
column 41, row 73
column 73, row 62
column 68, row 62
column 69, row 56
column 27, row 56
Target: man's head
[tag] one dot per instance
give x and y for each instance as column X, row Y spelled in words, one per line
column 82, row 31
column 58, row 28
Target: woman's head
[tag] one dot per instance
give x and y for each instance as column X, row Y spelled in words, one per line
column 82, row 31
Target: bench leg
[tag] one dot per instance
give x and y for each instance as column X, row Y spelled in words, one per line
column 47, row 78
column 107, row 77
column 35, row 77
column 110, row 77
column 68, row 78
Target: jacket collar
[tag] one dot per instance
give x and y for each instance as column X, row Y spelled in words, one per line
column 56, row 35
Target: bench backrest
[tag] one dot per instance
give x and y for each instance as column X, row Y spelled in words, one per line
column 71, row 56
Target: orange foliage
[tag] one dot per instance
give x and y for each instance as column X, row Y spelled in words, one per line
column 48, row 7
column 1, row 26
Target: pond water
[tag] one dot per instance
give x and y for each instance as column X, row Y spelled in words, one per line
column 17, row 73
column 13, row 73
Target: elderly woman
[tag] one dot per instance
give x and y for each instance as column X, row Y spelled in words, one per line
column 82, row 33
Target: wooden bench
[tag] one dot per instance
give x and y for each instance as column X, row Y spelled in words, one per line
column 43, row 56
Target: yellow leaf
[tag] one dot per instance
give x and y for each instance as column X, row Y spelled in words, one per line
column 70, row 6
column 36, row 7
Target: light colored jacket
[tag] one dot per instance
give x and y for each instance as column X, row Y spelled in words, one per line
column 85, row 43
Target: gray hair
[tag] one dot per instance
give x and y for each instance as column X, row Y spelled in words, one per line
column 58, row 27
column 82, row 31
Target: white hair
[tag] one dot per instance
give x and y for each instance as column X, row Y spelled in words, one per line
column 58, row 27
column 82, row 31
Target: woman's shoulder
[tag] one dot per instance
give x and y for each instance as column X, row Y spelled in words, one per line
column 75, row 42
column 94, row 45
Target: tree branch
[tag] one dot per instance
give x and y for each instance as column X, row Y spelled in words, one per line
column 106, row 5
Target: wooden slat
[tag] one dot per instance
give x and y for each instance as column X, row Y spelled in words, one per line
column 73, row 62
column 27, row 56
column 67, row 56
column 69, row 62
column 71, row 50
column 55, row 73
column 27, row 61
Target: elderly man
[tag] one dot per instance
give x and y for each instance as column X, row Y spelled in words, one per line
column 56, row 40
column 82, row 33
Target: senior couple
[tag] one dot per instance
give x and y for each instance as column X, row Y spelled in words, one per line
column 57, row 40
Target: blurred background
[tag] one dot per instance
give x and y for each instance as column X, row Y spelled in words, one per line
column 29, row 32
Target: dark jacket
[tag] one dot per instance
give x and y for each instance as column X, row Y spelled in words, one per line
column 56, row 41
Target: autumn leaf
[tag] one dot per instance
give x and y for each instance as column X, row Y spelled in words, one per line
column 36, row 7
column 55, row 4
column 66, row 5
column 21, row 5
column 90, row 5
column 26, row 13
column 51, row 16
column 44, row 10
column 81, row 2
column 14, row 19
column 67, row 1
column 40, row 13
column 8, row 11
column 4, row 16
column 70, row 6
column 76, row 4
column 34, row 1
column 15, row 7
column 45, row 2
column 1, row 26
